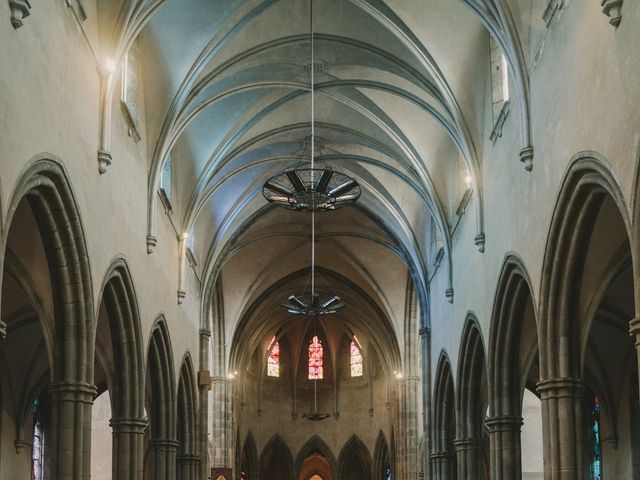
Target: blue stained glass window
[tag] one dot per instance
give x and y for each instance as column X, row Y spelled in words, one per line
column 387, row 473
column 37, row 454
column 596, row 463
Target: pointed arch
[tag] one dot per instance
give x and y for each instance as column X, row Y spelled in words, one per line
column 188, row 459
column 444, row 455
column 276, row 455
column 126, row 391
column 354, row 457
column 513, row 338
column 249, row 462
column 472, row 400
column 45, row 186
column 381, row 457
column 315, row 445
column 160, row 402
column 589, row 185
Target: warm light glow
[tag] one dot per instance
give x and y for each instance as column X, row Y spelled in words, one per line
column 110, row 66
column 185, row 236
column 316, row 359
column 356, row 358
column 468, row 179
column 231, row 376
column 273, row 362
column 398, row 375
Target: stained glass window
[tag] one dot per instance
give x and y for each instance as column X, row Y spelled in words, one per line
column 37, row 454
column 596, row 460
column 273, row 363
column 316, row 358
column 387, row 473
column 355, row 358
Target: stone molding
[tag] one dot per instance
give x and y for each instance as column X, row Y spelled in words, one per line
column 479, row 241
column 128, row 425
column 613, row 10
column 466, row 444
column 425, row 332
column 152, row 242
column 104, row 160
column 504, row 423
column 20, row 9
column 77, row 392
column 526, row 157
column 560, row 388
column 634, row 330
column 3, row 332
column 164, row 444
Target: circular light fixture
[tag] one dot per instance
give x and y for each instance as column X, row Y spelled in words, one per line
column 311, row 189
column 312, row 305
column 315, row 416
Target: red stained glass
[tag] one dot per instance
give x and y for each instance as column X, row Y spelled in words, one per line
column 273, row 363
column 316, row 358
column 356, row 359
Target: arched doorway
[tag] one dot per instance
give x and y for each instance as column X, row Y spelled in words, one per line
column 316, row 467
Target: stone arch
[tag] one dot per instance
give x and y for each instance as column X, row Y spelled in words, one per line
column 444, row 456
column 513, row 312
column 160, row 403
column 121, row 324
column 46, row 188
column 587, row 185
column 472, row 401
column 276, row 454
column 354, row 462
column 188, row 460
column 381, row 457
column 315, row 445
column 249, row 463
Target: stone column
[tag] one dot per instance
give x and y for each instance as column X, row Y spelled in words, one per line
column 222, row 421
column 71, row 429
column 409, row 426
column 562, row 428
column 188, row 467
column 425, row 336
column 163, row 454
column 504, row 441
column 128, row 448
column 634, row 329
column 468, row 458
column 443, row 465
column 203, row 398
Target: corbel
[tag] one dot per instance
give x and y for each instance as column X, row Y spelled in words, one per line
column 20, row 9
column 613, row 10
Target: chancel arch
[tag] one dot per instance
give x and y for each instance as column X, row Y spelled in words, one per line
column 276, row 461
column 188, row 457
column 354, row 462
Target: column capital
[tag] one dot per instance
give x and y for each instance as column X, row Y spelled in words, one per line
column 504, row 423
column 187, row 458
column 468, row 443
column 80, row 392
column 563, row 387
column 205, row 333
column 128, row 425
column 634, row 325
column 440, row 456
column 164, row 444
column 425, row 332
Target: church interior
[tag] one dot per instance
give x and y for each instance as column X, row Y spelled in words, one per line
column 319, row 239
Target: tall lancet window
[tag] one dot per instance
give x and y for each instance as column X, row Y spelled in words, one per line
column 356, row 358
column 273, row 363
column 37, row 455
column 316, row 359
column 595, row 437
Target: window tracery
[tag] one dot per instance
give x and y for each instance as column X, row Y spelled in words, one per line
column 273, row 363
column 355, row 358
column 37, row 455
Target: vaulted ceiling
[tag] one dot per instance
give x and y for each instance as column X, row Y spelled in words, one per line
column 402, row 97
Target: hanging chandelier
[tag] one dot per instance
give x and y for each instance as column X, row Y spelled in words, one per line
column 311, row 189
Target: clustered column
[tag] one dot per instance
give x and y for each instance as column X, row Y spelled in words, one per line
column 222, row 434
column 504, row 441
column 128, row 447
column 204, row 385
column 562, row 427
column 468, row 457
column 71, row 424
column 443, row 465
column 188, row 467
column 163, row 452
column 408, row 445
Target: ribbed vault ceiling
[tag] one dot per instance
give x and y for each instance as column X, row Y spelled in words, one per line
column 400, row 106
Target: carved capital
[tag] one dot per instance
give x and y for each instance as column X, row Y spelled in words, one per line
column 613, row 10
column 20, row 9
column 151, row 243
column 181, row 296
column 425, row 332
column 125, row 425
column 104, row 160
column 526, row 157
column 463, row 444
column 479, row 241
column 76, row 392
